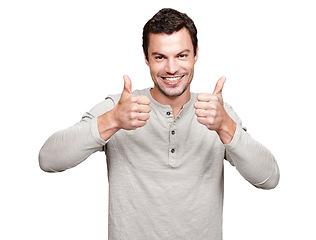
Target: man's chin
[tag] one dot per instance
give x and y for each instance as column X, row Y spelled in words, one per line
column 172, row 92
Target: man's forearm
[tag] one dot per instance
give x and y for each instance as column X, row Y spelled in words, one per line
column 67, row 148
column 254, row 162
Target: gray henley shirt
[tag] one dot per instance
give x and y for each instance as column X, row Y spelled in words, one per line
column 166, row 178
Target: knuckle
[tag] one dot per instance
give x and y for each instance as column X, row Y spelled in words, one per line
column 134, row 99
column 213, row 106
column 134, row 108
column 132, row 115
column 211, row 121
column 214, row 112
column 133, row 124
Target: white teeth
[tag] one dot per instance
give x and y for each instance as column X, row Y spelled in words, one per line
column 172, row 79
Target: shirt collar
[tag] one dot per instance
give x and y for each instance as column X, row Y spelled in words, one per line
column 187, row 106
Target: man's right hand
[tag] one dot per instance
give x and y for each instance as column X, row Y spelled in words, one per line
column 131, row 112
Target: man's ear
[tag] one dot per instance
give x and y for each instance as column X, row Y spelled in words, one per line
column 197, row 53
column 146, row 61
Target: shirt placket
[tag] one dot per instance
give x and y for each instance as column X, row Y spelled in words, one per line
column 172, row 160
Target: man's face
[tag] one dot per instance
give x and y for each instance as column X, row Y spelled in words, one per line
column 171, row 61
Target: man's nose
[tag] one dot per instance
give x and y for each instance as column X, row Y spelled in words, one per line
column 171, row 66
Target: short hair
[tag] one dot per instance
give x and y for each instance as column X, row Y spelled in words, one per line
column 168, row 21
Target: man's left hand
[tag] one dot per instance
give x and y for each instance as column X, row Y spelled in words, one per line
column 211, row 113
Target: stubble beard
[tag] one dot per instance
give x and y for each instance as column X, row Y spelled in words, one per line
column 172, row 95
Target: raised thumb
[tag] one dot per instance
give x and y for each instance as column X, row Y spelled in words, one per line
column 127, row 84
column 219, row 86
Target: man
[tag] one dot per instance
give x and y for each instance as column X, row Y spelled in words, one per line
column 164, row 145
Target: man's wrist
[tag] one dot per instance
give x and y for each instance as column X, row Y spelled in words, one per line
column 107, row 125
column 227, row 131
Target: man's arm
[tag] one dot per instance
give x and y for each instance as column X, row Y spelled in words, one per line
column 67, row 148
column 254, row 162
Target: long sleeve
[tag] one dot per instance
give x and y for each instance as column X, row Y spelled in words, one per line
column 69, row 147
column 254, row 162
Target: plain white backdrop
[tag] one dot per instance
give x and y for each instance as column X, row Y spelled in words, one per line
column 60, row 58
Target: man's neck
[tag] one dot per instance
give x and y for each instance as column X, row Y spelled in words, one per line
column 176, row 103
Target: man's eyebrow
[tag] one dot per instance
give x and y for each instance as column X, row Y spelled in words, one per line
column 161, row 54
column 157, row 53
column 184, row 51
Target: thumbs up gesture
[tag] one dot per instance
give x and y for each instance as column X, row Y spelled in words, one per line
column 132, row 111
column 211, row 113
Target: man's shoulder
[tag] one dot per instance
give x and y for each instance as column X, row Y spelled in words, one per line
column 116, row 97
column 144, row 92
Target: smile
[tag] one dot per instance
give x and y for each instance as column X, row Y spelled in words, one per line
column 172, row 80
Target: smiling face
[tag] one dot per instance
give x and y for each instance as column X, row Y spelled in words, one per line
column 171, row 61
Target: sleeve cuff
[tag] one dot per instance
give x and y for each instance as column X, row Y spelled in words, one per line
column 235, row 141
column 95, row 132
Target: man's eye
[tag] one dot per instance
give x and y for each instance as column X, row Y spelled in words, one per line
column 183, row 56
column 159, row 57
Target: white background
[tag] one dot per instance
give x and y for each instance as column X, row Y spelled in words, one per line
column 60, row 58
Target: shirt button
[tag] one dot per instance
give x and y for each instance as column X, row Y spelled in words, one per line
column 168, row 113
column 173, row 132
column 173, row 150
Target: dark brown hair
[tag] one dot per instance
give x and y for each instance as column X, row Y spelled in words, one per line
column 168, row 21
